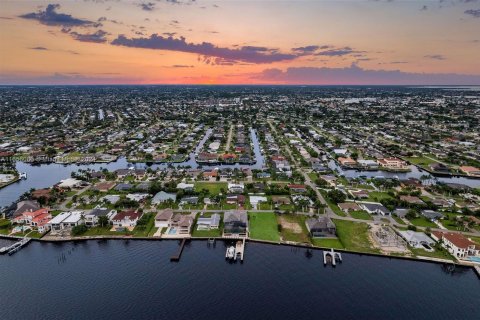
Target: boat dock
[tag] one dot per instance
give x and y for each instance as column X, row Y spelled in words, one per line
column 179, row 254
column 333, row 256
column 15, row 247
column 240, row 249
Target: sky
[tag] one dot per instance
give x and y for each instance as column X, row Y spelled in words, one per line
column 356, row 42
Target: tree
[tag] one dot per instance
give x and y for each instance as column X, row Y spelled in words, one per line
column 103, row 221
column 337, row 196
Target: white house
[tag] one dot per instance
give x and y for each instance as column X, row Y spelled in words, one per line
column 208, row 223
column 127, row 218
column 457, row 244
column 66, row 220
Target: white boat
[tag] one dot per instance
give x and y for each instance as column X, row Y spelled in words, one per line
column 23, row 175
column 131, row 168
column 230, row 252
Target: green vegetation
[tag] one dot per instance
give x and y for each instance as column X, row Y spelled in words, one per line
column 327, row 243
column 378, row 196
column 421, row 161
column 439, row 252
column 293, row 228
column 332, row 205
column 422, row 222
column 263, row 226
column 145, row 226
column 361, row 214
column 398, row 219
column 354, row 236
column 214, row 188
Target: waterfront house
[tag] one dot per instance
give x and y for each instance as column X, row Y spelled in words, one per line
column 321, row 227
column 439, row 167
column 417, row 239
column 71, row 183
column 208, row 223
column 181, row 223
column 470, row 171
column 163, row 218
column 393, row 164
column 126, row 218
column 163, row 196
column 457, row 244
column 26, row 206
column 347, row 162
column 92, row 216
column 66, row 220
column 38, row 218
column 104, row 186
column 122, row 173
column 235, row 223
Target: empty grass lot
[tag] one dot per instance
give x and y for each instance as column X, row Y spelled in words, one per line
column 263, row 226
column 354, row 236
column 214, row 188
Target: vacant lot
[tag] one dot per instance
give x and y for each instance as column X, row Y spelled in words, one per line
column 293, row 228
column 354, row 236
column 263, row 226
column 214, row 188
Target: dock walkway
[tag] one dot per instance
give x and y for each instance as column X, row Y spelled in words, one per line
column 179, row 254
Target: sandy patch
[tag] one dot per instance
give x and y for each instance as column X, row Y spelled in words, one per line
column 293, row 226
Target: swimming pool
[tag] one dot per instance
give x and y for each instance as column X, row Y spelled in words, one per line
column 474, row 259
column 172, row 231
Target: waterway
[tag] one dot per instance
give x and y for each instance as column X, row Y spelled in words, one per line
column 136, row 280
column 46, row 175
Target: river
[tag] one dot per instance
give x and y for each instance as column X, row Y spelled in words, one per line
column 136, row 280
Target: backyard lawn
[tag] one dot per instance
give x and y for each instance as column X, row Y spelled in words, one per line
column 361, row 215
column 438, row 253
column 354, row 236
column 327, row 243
column 263, row 226
column 214, row 188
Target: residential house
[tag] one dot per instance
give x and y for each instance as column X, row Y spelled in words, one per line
column 457, row 244
column 299, row 188
column 375, row 208
column 208, row 223
column 432, row 215
column 417, row 239
column 163, row 218
column 393, row 164
column 321, row 227
column 182, row 224
column 126, row 218
column 349, row 206
column 236, row 187
column 66, row 220
column 163, row 196
column 26, row 206
column 235, row 223
column 92, row 216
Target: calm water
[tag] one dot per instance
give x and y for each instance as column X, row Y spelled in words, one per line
column 46, row 175
column 135, row 279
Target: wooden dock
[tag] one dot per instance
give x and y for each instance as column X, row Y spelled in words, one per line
column 333, row 256
column 15, row 247
column 240, row 249
column 179, row 254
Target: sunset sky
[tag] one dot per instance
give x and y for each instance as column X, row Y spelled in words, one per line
column 240, row 42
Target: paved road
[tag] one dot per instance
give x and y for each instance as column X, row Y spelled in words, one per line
column 229, row 138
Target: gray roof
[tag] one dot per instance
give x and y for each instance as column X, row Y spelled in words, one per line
column 235, row 215
column 164, row 196
column 320, row 223
column 432, row 215
column 99, row 212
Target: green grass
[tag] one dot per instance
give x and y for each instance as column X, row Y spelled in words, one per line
column 354, row 236
column 439, row 252
column 332, row 205
column 214, row 188
column 35, row 235
column 327, row 243
column 103, row 231
column 207, row 233
column 263, row 226
column 422, row 222
column 378, row 196
column 475, row 239
column 398, row 219
column 361, row 215
column 147, row 230
column 421, row 161
column 289, row 235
